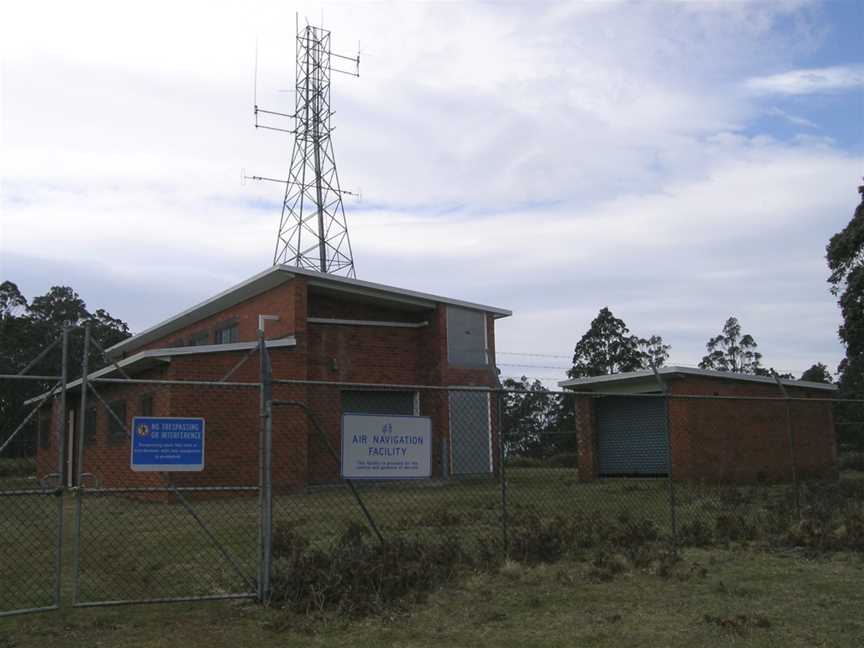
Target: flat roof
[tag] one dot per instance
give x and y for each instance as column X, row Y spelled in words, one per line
column 279, row 274
column 642, row 374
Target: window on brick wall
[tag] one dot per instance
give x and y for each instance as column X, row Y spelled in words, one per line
column 228, row 334
column 199, row 338
column 466, row 338
column 116, row 430
column 45, row 430
column 90, row 426
column 145, row 405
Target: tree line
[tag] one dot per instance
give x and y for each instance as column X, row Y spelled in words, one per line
column 27, row 328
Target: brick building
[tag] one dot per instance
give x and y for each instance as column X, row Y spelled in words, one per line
column 736, row 438
column 332, row 340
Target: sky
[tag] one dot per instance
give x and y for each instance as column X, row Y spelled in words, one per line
column 678, row 162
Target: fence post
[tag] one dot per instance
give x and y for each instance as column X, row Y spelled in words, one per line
column 791, row 438
column 61, row 451
column 78, row 441
column 672, row 503
column 505, row 533
column 265, row 468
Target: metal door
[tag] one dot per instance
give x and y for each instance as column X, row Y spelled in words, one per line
column 632, row 438
column 470, row 438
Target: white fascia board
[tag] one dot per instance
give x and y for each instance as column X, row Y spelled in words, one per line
column 288, row 341
column 165, row 355
column 691, row 371
column 349, row 322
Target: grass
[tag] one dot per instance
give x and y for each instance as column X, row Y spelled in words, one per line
column 715, row 597
column 22, row 467
column 134, row 549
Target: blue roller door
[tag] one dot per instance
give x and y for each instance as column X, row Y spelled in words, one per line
column 631, row 435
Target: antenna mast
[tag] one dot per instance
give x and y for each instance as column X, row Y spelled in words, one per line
column 313, row 232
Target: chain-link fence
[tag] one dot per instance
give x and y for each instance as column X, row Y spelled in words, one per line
column 520, row 473
column 31, row 508
column 145, row 534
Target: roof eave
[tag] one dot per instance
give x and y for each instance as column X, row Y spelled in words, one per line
column 247, row 288
column 691, row 371
column 276, row 275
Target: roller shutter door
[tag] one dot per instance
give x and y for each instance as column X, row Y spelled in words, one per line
column 631, row 436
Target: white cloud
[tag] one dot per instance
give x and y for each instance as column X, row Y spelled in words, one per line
column 792, row 119
column 839, row 78
column 551, row 159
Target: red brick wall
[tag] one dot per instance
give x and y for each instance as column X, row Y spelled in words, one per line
column 748, row 440
column 46, row 458
column 233, row 423
column 339, row 353
column 586, row 438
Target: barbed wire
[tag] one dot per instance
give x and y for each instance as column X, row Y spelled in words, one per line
column 531, row 366
column 535, row 355
column 794, row 372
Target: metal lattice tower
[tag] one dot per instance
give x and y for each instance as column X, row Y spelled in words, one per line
column 313, row 231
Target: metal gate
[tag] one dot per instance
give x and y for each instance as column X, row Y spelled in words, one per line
column 150, row 536
column 632, row 438
column 77, row 523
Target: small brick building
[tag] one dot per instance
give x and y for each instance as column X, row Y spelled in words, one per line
column 332, row 341
column 737, row 438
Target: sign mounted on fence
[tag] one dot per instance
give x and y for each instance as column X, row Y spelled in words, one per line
column 163, row 444
column 386, row 446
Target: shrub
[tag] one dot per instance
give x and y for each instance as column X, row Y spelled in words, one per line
column 737, row 527
column 832, row 517
column 523, row 462
column 22, row 467
column 534, row 539
column 564, row 460
column 851, row 461
column 695, row 533
column 357, row 575
column 440, row 516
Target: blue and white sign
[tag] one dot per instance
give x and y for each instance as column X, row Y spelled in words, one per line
column 167, row 444
column 386, row 446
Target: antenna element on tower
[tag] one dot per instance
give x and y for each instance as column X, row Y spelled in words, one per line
column 313, row 232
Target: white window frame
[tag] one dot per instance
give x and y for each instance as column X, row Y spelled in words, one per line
column 486, row 354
